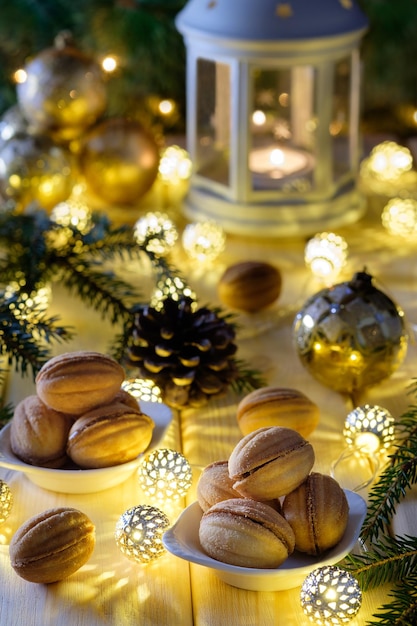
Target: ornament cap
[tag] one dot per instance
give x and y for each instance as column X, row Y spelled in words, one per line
column 361, row 281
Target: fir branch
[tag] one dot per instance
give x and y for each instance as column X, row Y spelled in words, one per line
column 391, row 559
column 402, row 610
column 24, row 347
column 6, row 414
column 247, row 379
column 103, row 291
column 396, row 479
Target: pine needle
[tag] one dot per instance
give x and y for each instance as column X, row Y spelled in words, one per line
column 387, row 560
column 402, row 609
column 396, row 479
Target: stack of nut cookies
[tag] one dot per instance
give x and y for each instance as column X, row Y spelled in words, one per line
column 265, row 502
column 79, row 416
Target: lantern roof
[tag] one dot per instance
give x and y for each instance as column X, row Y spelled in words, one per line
column 271, row 20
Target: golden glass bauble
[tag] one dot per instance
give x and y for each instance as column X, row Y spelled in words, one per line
column 34, row 169
column 351, row 336
column 119, row 160
column 64, row 92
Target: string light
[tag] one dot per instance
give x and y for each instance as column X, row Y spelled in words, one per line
column 20, row 76
column 330, row 596
column 399, row 216
column 203, row 241
column 142, row 389
column 6, row 501
column 370, row 428
column 109, row 64
column 326, row 254
column 387, row 161
column 73, row 212
column 174, row 165
column 173, row 287
column 165, row 474
column 25, row 304
column 369, row 431
column 156, row 232
column 139, row 531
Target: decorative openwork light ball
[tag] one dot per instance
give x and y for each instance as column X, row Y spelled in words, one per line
column 175, row 165
column 142, row 389
column 369, row 427
column 139, row 533
column 203, row 241
column 388, row 160
column 156, row 232
column 170, row 287
column 399, row 217
column 165, row 474
column 326, row 254
column 6, row 501
column 73, row 212
column 26, row 304
column 330, row 596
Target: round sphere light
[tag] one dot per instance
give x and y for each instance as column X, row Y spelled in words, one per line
column 139, row 531
column 174, row 165
column 388, row 161
column 142, row 389
column 6, row 501
column 326, row 254
column 203, row 241
column 157, row 232
column 399, row 216
column 330, row 596
column 369, row 427
column 165, row 474
column 172, row 287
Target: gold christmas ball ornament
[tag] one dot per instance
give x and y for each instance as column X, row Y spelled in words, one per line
column 64, row 92
column 119, row 160
column 351, row 335
column 34, row 169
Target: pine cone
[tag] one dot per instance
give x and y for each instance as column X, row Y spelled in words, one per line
column 188, row 354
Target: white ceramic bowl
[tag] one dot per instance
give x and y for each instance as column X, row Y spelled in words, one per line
column 182, row 541
column 85, row 480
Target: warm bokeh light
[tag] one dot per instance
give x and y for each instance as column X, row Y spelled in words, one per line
column 326, row 254
column 399, row 216
column 20, row 76
column 109, row 64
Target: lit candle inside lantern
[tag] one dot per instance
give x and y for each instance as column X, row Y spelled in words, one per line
column 279, row 162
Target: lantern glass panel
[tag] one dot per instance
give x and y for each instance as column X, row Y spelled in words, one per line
column 341, row 121
column 283, row 128
column 213, row 121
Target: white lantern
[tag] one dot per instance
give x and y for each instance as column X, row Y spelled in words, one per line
column 273, row 113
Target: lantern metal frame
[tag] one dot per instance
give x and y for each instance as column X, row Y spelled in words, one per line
column 235, row 41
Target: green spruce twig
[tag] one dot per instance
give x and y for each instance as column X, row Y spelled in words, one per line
column 402, row 609
column 391, row 559
column 247, row 378
column 386, row 558
column 397, row 477
column 27, row 335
